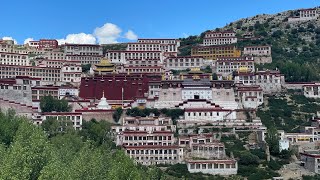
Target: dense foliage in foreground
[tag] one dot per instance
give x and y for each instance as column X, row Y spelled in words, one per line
column 28, row 153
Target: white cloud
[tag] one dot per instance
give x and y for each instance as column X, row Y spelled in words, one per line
column 10, row 38
column 26, row 41
column 185, row 35
column 61, row 41
column 108, row 33
column 80, row 38
column 131, row 35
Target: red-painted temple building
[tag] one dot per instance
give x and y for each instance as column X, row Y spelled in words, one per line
column 117, row 86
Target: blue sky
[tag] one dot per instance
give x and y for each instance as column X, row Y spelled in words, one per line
column 37, row 19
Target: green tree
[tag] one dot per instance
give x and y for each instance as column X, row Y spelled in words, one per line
column 49, row 104
column 122, row 167
column 117, row 114
column 207, row 69
column 273, row 140
column 54, row 125
column 274, row 165
column 90, row 163
column 247, row 158
column 214, row 76
column 85, row 68
column 9, row 125
column 96, row 131
column 27, row 155
column 277, row 34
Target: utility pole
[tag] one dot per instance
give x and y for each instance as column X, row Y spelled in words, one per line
column 122, row 91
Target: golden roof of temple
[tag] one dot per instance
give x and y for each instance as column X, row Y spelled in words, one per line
column 195, row 70
column 105, row 66
column 243, row 69
column 104, row 62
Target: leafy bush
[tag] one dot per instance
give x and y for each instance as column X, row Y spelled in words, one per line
column 49, row 104
column 247, row 158
column 85, row 67
column 274, row 165
column 117, row 114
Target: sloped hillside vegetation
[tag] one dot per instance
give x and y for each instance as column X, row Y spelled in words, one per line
column 295, row 46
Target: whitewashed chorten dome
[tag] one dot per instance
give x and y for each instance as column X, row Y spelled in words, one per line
column 103, row 104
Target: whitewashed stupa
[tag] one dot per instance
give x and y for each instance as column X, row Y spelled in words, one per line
column 103, row 104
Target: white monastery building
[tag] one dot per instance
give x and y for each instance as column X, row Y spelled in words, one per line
column 305, row 15
column 311, row 90
column 219, row 38
column 183, row 62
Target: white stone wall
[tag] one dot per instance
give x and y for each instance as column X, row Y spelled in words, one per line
column 170, row 94
column 209, row 116
column 18, row 108
column 202, row 93
column 18, row 93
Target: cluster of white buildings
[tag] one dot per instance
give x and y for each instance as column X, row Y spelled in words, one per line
column 146, row 54
column 20, row 61
column 151, row 141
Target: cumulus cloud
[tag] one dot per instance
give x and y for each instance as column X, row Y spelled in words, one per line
column 26, row 41
column 108, row 33
column 131, row 35
column 10, row 38
column 80, row 38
